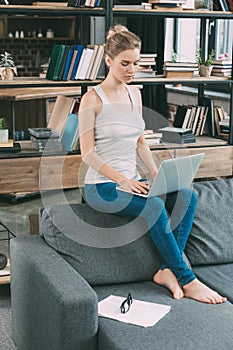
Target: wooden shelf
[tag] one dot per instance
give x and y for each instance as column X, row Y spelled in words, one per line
column 39, row 82
column 51, row 10
column 170, row 13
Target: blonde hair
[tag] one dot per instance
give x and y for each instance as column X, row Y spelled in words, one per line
column 119, row 39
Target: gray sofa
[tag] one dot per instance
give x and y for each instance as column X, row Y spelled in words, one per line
column 57, row 279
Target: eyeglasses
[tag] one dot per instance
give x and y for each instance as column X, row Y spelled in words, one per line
column 125, row 306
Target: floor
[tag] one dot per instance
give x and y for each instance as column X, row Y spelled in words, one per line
column 16, row 216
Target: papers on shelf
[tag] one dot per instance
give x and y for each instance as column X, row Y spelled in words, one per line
column 141, row 313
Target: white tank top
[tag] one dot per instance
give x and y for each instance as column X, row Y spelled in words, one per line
column 116, row 136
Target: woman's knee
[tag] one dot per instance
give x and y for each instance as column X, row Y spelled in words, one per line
column 188, row 195
column 155, row 204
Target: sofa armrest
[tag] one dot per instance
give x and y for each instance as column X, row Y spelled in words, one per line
column 53, row 307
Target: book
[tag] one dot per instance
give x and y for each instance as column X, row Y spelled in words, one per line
column 216, row 119
column 221, row 74
column 81, row 62
column 222, row 61
column 77, row 60
column 222, row 66
column 93, row 57
column 186, row 117
column 174, row 130
column 177, row 135
column 180, row 116
column 208, row 102
column 230, row 4
column 43, row 133
column 67, row 64
column 70, row 133
column 63, row 106
column 180, row 64
column 143, row 5
column 204, row 121
column 75, row 52
column 196, row 119
column 152, row 138
column 55, row 60
column 51, row 144
column 145, row 74
column 96, row 65
column 199, row 121
column 85, row 64
column 63, row 62
column 58, row 63
column 178, row 74
column 224, row 5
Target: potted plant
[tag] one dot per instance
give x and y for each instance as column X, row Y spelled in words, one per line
column 7, row 66
column 205, row 65
column 4, row 130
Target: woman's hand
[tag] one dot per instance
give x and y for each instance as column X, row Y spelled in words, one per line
column 134, row 186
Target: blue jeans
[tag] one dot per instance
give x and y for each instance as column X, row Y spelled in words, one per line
column 169, row 235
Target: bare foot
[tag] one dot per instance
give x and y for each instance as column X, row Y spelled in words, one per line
column 167, row 279
column 199, row 291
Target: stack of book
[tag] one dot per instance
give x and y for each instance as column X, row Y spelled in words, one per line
column 147, row 64
column 222, row 68
column 222, row 122
column 84, row 3
column 143, row 5
column 75, row 63
column 180, row 69
column 152, row 138
column 193, row 117
column 45, row 139
column 65, row 121
column 166, row 5
column 177, row 135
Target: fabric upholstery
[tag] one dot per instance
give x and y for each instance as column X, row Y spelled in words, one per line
column 211, row 239
column 135, row 261
column 52, row 306
column 189, row 325
column 218, row 277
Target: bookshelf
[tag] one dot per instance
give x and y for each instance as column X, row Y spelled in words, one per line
column 200, row 82
column 83, row 15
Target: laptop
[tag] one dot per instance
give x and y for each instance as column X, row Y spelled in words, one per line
column 173, row 175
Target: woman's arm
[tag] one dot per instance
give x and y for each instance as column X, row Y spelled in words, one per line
column 146, row 156
column 143, row 149
column 90, row 106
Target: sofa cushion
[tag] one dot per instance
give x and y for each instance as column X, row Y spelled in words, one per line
column 189, row 325
column 103, row 248
column 211, row 238
column 219, row 277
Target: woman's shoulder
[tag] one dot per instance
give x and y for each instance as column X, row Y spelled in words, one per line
column 90, row 98
column 136, row 91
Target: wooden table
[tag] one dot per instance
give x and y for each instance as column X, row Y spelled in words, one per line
column 30, row 170
column 27, row 93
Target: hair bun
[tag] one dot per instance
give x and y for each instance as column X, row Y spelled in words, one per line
column 115, row 30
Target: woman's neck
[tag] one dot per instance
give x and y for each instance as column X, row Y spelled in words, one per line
column 113, row 86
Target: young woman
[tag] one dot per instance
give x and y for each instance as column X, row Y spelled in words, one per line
column 111, row 138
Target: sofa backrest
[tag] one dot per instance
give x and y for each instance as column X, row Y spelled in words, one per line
column 88, row 240
column 80, row 233
column 211, row 238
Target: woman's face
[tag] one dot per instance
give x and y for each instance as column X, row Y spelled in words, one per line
column 124, row 66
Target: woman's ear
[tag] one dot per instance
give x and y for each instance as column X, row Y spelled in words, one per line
column 108, row 60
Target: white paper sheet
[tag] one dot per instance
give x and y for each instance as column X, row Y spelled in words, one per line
column 141, row 313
